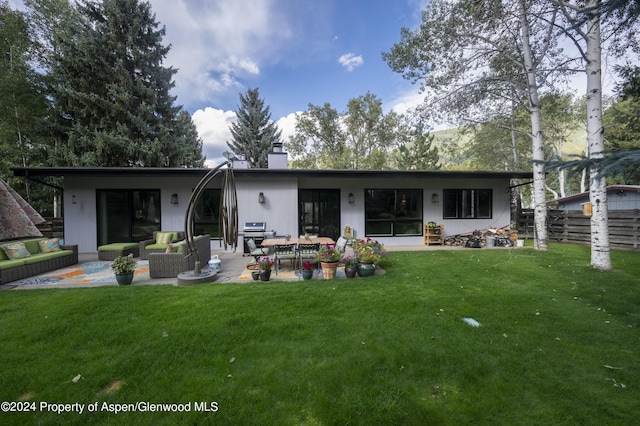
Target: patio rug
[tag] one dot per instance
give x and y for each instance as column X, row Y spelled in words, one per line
column 84, row 273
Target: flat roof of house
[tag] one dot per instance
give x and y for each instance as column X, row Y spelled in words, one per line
column 298, row 173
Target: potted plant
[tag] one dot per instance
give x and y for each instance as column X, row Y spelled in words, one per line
column 369, row 252
column 350, row 266
column 328, row 256
column 265, row 268
column 123, row 267
column 307, row 270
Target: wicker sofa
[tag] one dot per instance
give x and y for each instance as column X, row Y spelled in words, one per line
column 166, row 265
column 37, row 263
column 153, row 246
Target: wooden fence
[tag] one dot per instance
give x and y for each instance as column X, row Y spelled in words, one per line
column 571, row 226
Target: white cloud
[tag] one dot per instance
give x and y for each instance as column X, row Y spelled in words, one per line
column 213, row 128
column 215, row 44
column 287, row 125
column 350, row 61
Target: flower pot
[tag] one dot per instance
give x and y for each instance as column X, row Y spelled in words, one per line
column 124, row 279
column 307, row 274
column 350, row 272
column 265, row 274
column 255, row 275
column 366, row 269
column 329, row 269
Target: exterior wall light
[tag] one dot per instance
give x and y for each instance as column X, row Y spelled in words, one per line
column 174, row 198
column 435, row 198
column 261, row 198
column 351, row 198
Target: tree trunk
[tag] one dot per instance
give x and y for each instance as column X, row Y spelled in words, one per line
column 539, row 199
column 600, row 249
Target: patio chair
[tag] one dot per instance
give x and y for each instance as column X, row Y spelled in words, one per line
column 255, row 251
column 159, row 242
column 307, row 251
column 284, row 252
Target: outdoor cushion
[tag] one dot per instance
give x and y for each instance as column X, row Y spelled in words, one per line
column 16, row 250
column 117, row 246
column 32, row 245
column 48, row 246
column 175, row 247
column 3, row 255
column 156, row 246
column 7, row 264
column 36, row 258
column 165, row 237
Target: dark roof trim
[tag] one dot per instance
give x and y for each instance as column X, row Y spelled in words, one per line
column 297, row 173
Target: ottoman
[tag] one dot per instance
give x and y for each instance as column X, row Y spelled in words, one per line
column 113, row 250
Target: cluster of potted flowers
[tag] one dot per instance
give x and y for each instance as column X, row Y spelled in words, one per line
column 368, row 253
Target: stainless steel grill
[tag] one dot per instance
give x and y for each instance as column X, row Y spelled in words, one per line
column 256, row 231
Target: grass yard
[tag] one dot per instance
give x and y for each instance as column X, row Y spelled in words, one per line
column 559, row 343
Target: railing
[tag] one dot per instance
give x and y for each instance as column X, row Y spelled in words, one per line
column 572, row 226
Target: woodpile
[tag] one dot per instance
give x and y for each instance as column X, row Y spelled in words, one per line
column 502, row 238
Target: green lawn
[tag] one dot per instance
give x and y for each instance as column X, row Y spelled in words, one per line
column 559, row 343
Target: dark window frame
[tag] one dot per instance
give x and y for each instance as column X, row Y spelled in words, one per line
column 387, row 212
column 467, row 203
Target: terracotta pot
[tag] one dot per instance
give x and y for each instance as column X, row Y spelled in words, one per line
column 329, row 269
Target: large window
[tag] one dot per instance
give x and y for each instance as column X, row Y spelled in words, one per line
column 207, row 214
column 390, row 212
column 467, row 204
column 127, row 214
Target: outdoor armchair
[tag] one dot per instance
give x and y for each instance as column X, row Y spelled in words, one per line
column 159, row 242
column 166, row 265
column 255, row 251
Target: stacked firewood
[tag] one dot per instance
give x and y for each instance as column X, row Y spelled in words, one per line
column 503, row 238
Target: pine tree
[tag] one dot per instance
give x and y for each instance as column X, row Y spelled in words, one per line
column 254, row 133
column 112, row 92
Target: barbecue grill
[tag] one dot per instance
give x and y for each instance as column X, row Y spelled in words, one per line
column 256, row 231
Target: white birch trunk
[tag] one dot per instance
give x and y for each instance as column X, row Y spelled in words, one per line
column 539, row 199
column 600, row 249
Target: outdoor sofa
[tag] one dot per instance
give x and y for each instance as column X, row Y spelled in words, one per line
column 166, row 265
column 38, row 261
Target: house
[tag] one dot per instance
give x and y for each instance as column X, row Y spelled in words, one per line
column 103, row 205
column 619, row 197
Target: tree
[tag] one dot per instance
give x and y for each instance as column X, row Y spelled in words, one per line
column 480, row 60
column 415, row 149
column 319, row 139
column 22, row 99
column 369, row 132
column 111, row 92
column 254, row 134
column 362, row 137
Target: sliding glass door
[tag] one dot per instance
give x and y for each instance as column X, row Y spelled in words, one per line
column 127, row 215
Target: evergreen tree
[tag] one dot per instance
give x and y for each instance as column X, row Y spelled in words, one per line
column 254, row 133
column 112, row 92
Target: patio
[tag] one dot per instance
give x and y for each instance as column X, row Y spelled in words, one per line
column 234, row 270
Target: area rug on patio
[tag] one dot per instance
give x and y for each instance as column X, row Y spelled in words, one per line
column 85, row 273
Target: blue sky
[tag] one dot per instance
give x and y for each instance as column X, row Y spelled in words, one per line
column 295, row 51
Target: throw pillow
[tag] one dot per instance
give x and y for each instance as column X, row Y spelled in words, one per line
column 49, row 246
column 16, row 250
column 171, row 248
column 163, row 237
